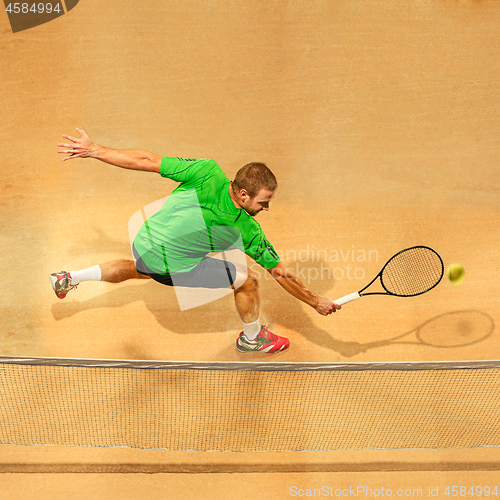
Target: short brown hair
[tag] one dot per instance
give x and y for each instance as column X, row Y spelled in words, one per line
column 253, row 177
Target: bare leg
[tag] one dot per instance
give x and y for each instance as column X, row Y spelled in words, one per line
column 247, row 299
column 120, row 270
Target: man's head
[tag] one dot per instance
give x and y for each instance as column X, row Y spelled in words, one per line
column 254, row 187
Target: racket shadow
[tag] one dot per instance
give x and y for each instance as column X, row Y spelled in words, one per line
column 447, row 331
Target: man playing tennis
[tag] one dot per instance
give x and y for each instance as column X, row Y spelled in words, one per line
column 206, row 213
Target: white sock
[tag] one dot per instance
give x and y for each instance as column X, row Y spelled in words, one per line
column 89, row 274
column 251, row 330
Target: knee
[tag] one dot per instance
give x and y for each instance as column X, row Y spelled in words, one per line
column 253, row 276
column 249, row 282
column 252, row 281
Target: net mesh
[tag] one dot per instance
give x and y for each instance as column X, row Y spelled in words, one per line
column 246, row 410
column 412, row 272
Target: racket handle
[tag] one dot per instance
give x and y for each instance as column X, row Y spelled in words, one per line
column 347, row 298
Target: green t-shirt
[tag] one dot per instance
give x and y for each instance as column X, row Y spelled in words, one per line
column 198, row 218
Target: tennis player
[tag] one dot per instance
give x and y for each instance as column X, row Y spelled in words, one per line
column 174, row 244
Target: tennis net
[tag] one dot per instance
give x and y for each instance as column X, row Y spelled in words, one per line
column 249, row 407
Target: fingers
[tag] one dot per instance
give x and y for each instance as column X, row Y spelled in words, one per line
column 326, row 306
column 71, row 138
column 327, row 312
column 74, row 139
column 69, row 151
column 333, row 308
column 75, row 150
column 72, row 156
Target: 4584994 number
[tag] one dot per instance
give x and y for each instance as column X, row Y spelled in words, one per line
column 40, row 8
column 470, row 491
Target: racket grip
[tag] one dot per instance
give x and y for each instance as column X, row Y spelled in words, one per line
column 347, row 298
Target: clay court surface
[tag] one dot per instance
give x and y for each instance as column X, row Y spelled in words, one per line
column 381, row 123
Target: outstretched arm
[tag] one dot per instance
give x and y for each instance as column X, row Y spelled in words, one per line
column 133, row 159
column 291, row 283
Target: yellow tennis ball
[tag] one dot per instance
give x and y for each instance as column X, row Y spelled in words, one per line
column 455, row 273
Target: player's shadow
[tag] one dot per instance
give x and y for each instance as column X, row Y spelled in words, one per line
column 221, row 314
column 161, row 301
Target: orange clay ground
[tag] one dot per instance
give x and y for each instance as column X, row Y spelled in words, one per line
column 380, row 121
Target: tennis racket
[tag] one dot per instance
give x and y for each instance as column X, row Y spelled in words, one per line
column 410, row 272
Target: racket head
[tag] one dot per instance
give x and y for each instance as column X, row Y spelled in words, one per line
column 412, row 271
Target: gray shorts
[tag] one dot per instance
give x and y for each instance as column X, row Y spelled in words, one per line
column 209, row 273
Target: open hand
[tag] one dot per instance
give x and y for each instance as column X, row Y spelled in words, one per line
column 81, row 148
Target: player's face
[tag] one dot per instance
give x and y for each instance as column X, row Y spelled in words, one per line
column 260, row 202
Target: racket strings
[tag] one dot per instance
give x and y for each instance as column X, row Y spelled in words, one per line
column 412, row 272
